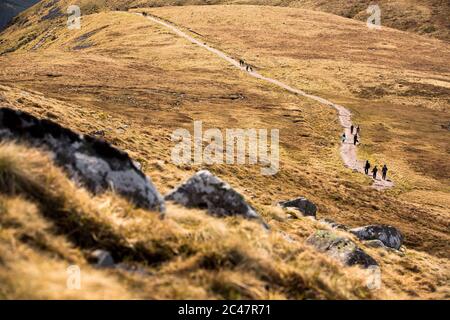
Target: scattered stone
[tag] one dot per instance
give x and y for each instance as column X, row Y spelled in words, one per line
column 334, row 224
column 301, row 204
column 133, row 268
column 90, row 162
column 102, row 259
column 206, row 191
column 98, row 133
column 340, row 248
column 388, row 235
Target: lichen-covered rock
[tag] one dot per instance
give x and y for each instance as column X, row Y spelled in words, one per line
column 340, row 248
column 206, row 191
column 388, row 235
column 91, row 162
column 301, row 204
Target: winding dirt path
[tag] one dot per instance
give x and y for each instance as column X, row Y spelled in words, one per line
column 348, row 149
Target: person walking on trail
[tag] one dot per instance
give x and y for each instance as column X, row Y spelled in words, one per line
column 355, row 140
column 374, row 172
column 343, row 137
column 367, row 167
column 247, row 68
column 384, row 171
column 351, row 129
column 358, row 130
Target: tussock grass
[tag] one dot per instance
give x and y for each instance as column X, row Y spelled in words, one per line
column 57, row 224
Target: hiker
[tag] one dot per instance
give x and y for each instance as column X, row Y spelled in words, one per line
column 375, row 171
column 247, row 68
column 358, row 130
column 355, row 139
column 351, row 129
column 384, row 171
column 241, row 63
column 367, row 167
column 344, row 137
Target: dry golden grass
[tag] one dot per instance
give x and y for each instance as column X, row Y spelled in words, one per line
column 424, row 17
column 137, row 82
column 186, row 255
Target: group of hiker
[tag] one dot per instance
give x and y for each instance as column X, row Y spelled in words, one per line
column 356, row 131
column 384, row 170
column 248, row 67
column 355, row 136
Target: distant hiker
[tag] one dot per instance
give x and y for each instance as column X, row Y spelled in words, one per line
column 247, row 68
column 351, row 129
column 251, row 69
column 384, row 171
column 344, row 137
column 355, row 139
column 358, row 130
column 375, row 171
column 241, row 63
column 367, row 167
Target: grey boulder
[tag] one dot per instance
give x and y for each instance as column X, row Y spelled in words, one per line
column 206, row 191
column 388, row 235
column 301, row 204
column 340, row 248
column 92, row 163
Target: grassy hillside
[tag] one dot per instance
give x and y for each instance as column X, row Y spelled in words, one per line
column 425, row 17
column 137, row 82
column 188, row 255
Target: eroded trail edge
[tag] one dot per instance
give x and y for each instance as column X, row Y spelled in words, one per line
column 348, row 149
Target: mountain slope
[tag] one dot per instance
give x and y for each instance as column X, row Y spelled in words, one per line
column 10, row 8
column 426, row 17
column 133, row 83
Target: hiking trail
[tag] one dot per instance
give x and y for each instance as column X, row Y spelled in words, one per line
column 348, row 149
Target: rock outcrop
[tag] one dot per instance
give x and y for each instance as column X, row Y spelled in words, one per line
column 90, row 162
column 206, row 191
column 340, row 248
column 301, row 204
column 388, row 235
